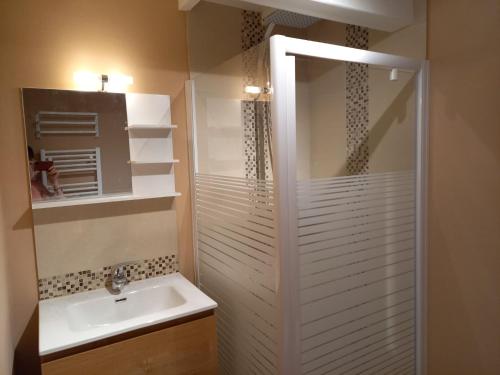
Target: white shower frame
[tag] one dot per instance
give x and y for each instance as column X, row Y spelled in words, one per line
column 283, row 52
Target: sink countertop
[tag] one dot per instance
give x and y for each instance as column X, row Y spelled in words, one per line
column 77, row 319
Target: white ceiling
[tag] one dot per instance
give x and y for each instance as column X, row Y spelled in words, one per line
column 387, row 15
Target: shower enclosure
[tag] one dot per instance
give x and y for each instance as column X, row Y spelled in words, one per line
column 309, row 206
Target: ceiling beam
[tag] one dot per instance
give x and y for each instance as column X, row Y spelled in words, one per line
column 187, row 5
column 387, row 15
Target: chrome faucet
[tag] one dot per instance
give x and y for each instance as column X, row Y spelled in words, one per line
column 118, row 278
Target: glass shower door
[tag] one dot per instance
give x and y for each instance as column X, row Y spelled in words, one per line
column 349, row 129
column 235, row 227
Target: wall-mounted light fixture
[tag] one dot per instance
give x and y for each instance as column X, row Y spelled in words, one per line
column 253, row 90
column 119, row 82
column 89, row 81
column 256, row 90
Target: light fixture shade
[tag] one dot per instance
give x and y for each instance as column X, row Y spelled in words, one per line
column 87, row 81
column 254, row 90
column 118, row 83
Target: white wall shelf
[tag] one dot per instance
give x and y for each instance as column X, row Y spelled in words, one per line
column 151, row 145
column 150, row 127
column 140, row 162
column 98, row 200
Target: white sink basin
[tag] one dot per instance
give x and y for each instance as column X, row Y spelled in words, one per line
column 106, row 310
column 66, row 322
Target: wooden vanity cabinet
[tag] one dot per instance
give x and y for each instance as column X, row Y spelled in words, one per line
column 189, row 347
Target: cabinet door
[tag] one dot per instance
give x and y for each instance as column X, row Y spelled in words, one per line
column 189, row 348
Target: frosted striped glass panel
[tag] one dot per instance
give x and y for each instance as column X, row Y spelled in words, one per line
column 357, row 274
column 237, row 260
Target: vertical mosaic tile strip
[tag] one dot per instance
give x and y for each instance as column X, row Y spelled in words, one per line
column 257, row 139
column 255, row 114
column 357, row 93
column 356, row 37
column 252, row 34
column 83, row 281
column 249, row 138
column 263, row 112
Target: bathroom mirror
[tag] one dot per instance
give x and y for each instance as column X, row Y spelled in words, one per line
column 110, row 199
column 76, row 143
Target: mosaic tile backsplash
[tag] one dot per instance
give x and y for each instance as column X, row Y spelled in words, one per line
column 83, row 281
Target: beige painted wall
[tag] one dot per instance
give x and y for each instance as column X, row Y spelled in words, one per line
column 214, row 37
column 464, row 187
column 409, row 41
column 392, row 121
column 216, row 67
column 42, row 44
column 391, row 103
column 89, row 237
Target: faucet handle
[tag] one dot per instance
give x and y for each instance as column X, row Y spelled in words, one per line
column 118, row 278
column 119, row 268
